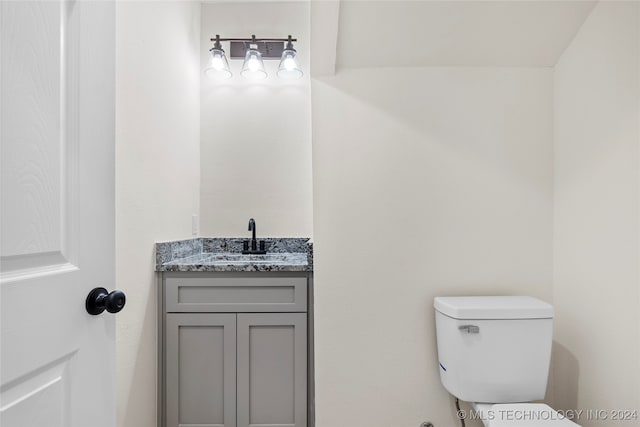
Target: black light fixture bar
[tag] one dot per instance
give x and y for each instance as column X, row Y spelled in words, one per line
column 269, row 48
column 254, row 40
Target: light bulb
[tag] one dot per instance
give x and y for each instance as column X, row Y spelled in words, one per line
column 289, row 67
column 254, row 64
column 289, row 63
column 218, row 67
column 216, row 63
column 253, row 67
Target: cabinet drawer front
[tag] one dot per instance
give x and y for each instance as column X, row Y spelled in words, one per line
column 236, row 292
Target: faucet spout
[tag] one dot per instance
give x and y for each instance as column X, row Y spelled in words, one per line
column 252, row 228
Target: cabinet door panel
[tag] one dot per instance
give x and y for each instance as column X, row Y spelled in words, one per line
column 201, row 370
column 272, row 374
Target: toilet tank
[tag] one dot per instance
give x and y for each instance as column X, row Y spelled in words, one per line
column 494, row 349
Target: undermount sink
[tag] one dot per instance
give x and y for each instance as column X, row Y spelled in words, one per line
column 235, row 258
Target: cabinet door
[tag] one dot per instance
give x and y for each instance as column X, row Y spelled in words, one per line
column 272, row 370
column 200, row 376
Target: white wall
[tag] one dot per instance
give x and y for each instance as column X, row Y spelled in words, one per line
column 256, row 136
column 596, row 227
column 427, row 181
column 157, row 176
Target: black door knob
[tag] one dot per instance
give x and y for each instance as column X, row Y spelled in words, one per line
column 100, row 300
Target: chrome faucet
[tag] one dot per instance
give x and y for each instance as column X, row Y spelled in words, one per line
column 254, row 242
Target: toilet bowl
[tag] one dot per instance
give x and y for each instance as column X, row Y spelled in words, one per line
column 497, row 349
column 519, row 415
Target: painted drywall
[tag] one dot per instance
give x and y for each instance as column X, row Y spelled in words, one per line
column 427, row 182
column 157, row 176
column 256, row 136
column 457, row 33
column 596, row 228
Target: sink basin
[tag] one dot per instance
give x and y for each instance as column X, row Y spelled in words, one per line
column 241, row 260
column 235, row 258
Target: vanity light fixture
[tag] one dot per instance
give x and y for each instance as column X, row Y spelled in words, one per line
column 253, row 51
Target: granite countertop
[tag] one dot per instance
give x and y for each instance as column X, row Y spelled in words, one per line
column 225, row 254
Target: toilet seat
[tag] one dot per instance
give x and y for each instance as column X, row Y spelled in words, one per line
column 520, row 415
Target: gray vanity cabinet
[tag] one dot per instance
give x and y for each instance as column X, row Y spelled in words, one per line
column 235, row 349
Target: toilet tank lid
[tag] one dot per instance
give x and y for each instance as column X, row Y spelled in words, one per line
column 493, row 307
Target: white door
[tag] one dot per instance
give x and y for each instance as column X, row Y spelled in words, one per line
column 57, row 212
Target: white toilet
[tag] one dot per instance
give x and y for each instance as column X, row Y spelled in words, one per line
column 494, row 352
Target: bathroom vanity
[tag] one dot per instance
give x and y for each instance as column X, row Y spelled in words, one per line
column 235, row 333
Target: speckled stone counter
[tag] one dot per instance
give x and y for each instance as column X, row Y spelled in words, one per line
column 225, row 254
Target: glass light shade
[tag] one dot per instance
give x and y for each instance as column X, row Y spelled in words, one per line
column 218, row 67
column 253, row 67
column 289, row 67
